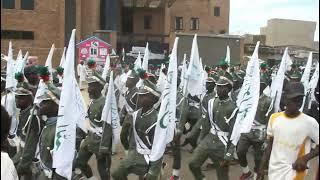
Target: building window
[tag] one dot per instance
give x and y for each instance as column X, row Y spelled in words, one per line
column 27, row 4
column 216, row 11
column 12, row 34
column 147, row 22
column 179, row 23
column 194, row 24
column 8, row 4
column 94, row 51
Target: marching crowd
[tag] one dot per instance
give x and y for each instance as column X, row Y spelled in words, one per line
column 283, row 142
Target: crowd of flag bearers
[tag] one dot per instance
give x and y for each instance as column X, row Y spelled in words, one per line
column 221, row 112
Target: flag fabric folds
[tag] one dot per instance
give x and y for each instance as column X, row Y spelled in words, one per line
column 110, row 111
column 71, row 112
column 165, row 125
column 277, row 83
column 145, row 61
column 248, row 98
column 312, row 85
column 194, row 81
column 106, row 67
column 305, row 79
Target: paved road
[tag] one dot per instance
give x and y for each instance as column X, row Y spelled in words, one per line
column 234, row 172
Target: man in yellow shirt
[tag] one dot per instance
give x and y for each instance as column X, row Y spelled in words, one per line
column 289, row 139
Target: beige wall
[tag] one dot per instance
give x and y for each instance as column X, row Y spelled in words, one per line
column 47, row 23
column 90, row 17
column 202, row 9
column 157, row 22
column 282, row 32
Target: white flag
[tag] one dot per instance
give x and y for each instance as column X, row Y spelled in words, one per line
column 228, row 56
column 204, row 76
column 277, row 83
column 313, row 84
column 146, row 58
column 194, row 81
column 11, row 82
column 18, row 61
column 49, row 61
column 106, row 67
column 183, row 78
column 71, row 110
column 21, row 63
column 137, row 63
column 110, row 111
column 164, row 130
column 305, row 79
column 123, row 54
column 162, row 78
column 248, row 98
column 63, row 58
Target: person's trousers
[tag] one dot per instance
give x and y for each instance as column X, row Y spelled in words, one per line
column 176, row 151
column 136, row 164
column 103, row 163
column 210, row 147
column 246, row 140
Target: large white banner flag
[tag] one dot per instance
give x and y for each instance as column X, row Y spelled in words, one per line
column 71, row 110
column 312, row 85
column 49, row 61
column 194, row 81
column 183, row 78
column 162, row 78
column 164, row 131
column 106, row 67
column 305, row 79
column 10, row 80
column 110, row 111
column 137, row 63
column 277, row 82
column 228, row 57
column 145, row 61
column 248, row 98
column 63, row 58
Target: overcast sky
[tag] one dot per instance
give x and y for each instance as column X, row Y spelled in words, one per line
column 247, row 16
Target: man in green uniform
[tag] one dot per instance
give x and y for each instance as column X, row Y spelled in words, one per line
column 99, row 138
column 192, row 117
column 144, row 121
column 126, row 135
column 256, row 136
column 48, row 110
column 216, row 145
column 28, row 131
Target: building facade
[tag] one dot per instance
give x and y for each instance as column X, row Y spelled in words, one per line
column 286, row 32
column 212, row 48
column 34, row 25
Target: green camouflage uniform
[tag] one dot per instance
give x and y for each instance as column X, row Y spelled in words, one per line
column 98, row 142
column 211, row 146
column 135, row 162
column 256, row 136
